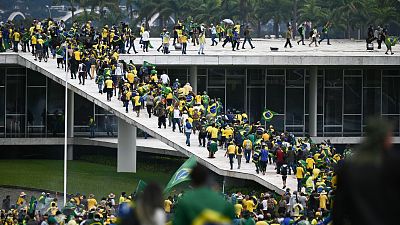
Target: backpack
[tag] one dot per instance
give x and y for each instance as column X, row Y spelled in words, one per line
column 284, row 170
column 240, row 149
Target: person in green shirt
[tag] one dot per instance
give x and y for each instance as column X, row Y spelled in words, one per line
column 202, row 205
column 247, row 219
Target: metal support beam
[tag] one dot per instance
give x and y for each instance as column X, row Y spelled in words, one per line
column 313, row 101
column 126, row 159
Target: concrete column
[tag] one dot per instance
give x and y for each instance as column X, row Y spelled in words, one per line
column 126, row 159
column 70, row 123
column 193, row 78
column 313, row 97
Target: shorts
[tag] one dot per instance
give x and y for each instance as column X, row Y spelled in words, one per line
column 59, row 60
column 284, row 177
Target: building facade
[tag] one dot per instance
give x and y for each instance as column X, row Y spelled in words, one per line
column 32, row 105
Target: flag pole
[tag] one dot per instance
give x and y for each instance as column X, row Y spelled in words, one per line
column 66, row 124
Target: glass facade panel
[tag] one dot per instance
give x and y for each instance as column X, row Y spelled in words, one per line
column 236, row 87
column 294, row 106
column 256, row 77
column 372, row 78
column 391, row 95
column 181, row 74
column 295, row 77
column 83, row 110
column 15, row 126
column 36, row 106
column 372, row 102
column 352, row 95
column 16, row 71
column 352, row 125
column 217, row 93
column 256, row 101
column 352, row 72
column 235, row 71
column 216, row 77
column 35, row 78
column 333, row 106
column 394, row 121
column 2, row 106
column 201, row 84
column 2, row 76
column 15, row 95
column 275, row 72
column 55, row 97
column 278, row 122
column 275, row 96
column 333, row 78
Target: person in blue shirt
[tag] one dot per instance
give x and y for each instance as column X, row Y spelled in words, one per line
column 263, row 159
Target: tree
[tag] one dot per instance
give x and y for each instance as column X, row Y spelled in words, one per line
column 311, row 11
column 279, row 11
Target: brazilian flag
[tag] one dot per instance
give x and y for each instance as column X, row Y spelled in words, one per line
column 267, row 115
column 182, row 174
column 147, row 64
column 32, row 205
column 212, row 109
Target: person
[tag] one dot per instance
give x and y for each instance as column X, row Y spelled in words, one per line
column 390, row 42
column 239, row 155
column 162, row 116
column 109, row 127
column 168, row 205
column 184, row 41
column 165, row 42
column 92, row 202
column 149, row 104
column 6, row 204
column 247, row 37
column 202, row 136
column 231, row 152
column 195, row 202
column 109, row 88
column 288, row 37
column 284, row 172
column 132, row 38
column 150, row 210
column 202, row 41
column 302, row 33
column 176, row 119
column 299, row 177
column 213, row 30
column 325, row 33
column 16, row 39
column 82, row 72
column 247, row 218
column 137, row 104
column 263, row 159
column 126, row 98
column 248, row 148
column 146, row 40
column 313, row 36
column 235, row 39
column 92, row 126
column 165, row 78
column 188, row 131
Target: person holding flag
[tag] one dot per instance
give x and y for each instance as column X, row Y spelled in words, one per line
column 268, row 115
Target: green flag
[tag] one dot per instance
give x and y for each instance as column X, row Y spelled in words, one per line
column 182, row 174
column 32, row 205
column 140, row 187
column 267, row 115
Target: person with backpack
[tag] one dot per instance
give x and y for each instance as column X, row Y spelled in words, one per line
column 137, row 104
column 248, row 147
column 82, row 72
column 239, row 155
column 149, row 104
column 231, row 152
column 188, row 131
column 313, row 36
column 162, row 116
column 202, row 136
column 302, row 32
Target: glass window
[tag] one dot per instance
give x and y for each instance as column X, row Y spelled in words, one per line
column 390, row 95
column 102, row 123
column 275, row 97
column 83, row 108
column 320, row 97
column 201, row 84
column 352, row 125
column 235, row 71
column 36, row 103
column 236, row 87
column 2, row 76
column 15, row 103
column 294, row 106
column 201, row 71
column 55, row 97
column 16, row 71
column 394, row 121
column 276, row 72
column 295, row 77
column 333, row 78
column 217, row 93
column 352, row 95
column 320, row 124
column 278, row 122
column 15, row 126
column 256, row 102
column 372, row 78
column 372, row 102
column 297, row 131
column 35, row 78
column 352, row 72
column 100, row 110
column 181, row 74
column 255, row 77
column 391, row 72
column 333, row 106
column 2, row 106
column 216, row 77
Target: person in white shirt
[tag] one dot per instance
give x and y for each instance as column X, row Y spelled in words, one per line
column 165, row 78
column 82, row 73
column 146, row 40
column 213, row 35
column 176, row 119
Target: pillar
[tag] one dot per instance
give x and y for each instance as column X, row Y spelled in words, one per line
column 313, row 97
column 126, row 156
column 193, row 78
column 70, row 124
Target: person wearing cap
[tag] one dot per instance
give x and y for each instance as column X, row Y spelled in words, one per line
column 21, row 201
column 213, row 30
column 92, row 203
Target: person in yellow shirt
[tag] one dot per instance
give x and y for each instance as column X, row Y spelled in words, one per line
column 126, row 97
column 239, row 155
column 323, row 201
column 310, row 164
column 238, row 209
column 299, row 176
column 92, row 203
column 213, row 131
column 137, row 104
column 168, row 205
column 247, row 147
column 249, row 205
column 16, row 40
column 231, row 152
column 183, row 41
column 33, row 43
column 108, row 85
column 131, row 78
